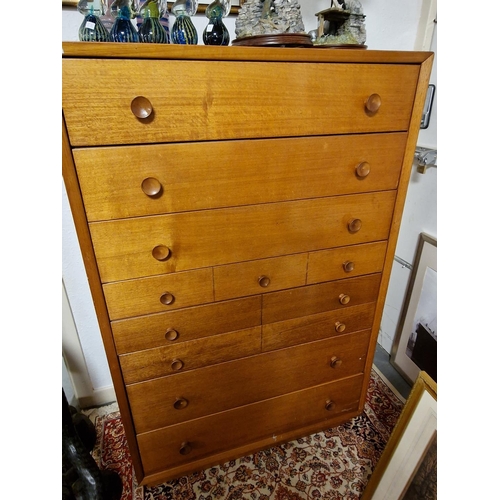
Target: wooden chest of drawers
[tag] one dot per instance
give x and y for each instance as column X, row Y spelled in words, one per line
column 237, row 210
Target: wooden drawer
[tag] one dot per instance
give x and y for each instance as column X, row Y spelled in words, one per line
column 230, row 235
column 170, row 328
column 207, row 111
column 176, row 358
column 346, row 262
column 125, row 299
column 317, row 326
column 260, row 276
column 235, row 383
column 269, row 419
column 314, row 299
column 121, row 182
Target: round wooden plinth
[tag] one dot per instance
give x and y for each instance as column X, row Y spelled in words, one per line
column 280, row 40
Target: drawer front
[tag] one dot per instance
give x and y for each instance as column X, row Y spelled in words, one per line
column 173, row 327
column 186, row 442
column 261, row 276
column 317, row 326
column 132, row 181
column 206, row 110
column 228, row 385
column 346, row 262
column 125, row 299
column 224, row 236
column 314, row 299
column 162, row 361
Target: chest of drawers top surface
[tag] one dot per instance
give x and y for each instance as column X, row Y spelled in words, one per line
column 237, row 209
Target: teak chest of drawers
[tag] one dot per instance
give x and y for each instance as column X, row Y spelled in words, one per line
column 237, row 210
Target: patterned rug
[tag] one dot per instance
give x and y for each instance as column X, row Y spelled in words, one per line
column 333, row 464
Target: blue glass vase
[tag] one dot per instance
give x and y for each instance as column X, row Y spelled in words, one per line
column 92, row 29
column 216, row 32
column 123, row 30
column 152, row 21
column 183, row 30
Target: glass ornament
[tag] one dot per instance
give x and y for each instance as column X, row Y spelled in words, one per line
column 183, row 30
column 150, row 28
column 92, row 29
column 216, row 32
column 123, row 30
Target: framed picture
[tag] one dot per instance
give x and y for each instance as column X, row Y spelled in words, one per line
column 415, row 345
column 407, row 469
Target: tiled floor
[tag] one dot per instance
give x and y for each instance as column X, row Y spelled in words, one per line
column 390, row 373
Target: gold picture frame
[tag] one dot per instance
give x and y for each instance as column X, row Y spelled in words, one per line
column 408, row 464
column 235, row 5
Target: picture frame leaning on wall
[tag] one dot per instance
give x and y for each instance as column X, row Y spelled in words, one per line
column 415, row 344
column 407, row 469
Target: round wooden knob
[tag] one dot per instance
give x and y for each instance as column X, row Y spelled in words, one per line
column 177, row 365
column 339, row 327
column 161, row 252
column 171, row 334
column 373, row 103
column 141, row 107
column 167, row 299
column 348, row 266
column 181, row 403
column 354, row 225
column 363, row 169
column 264, row 281
column 151, row 186
column 185, row 448
column 344, row 299
column 330, row 405
column 335, row 362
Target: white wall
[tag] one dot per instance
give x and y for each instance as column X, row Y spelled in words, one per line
column 390, row 25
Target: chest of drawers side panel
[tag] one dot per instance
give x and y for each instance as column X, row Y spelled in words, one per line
column 76, row 204
column 404, row 179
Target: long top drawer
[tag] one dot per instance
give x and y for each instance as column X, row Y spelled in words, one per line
column 174, row 101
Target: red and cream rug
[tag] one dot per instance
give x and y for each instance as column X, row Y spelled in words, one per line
column 333, row 464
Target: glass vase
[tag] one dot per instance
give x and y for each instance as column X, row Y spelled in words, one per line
column 92, row 29
column 216, row 32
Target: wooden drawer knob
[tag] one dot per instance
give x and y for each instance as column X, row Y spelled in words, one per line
column 335, row 362
column 264, row 281
column 348, row 266
column 167, row 299
column 177, row 365
column 330, row 405
column 141, row 107
column 339, row 327
column 363, row 169
column 185, row 448
column 373, row 103
column 151, row 186
column 354, row 225
column 181, row 403
column 344, row 299
column 161, row 252
column 171, row 334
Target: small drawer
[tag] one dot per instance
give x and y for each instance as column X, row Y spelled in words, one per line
column 134, row 181
column 263, row 421
column 147, row 246
column 346, row 262
column 314, row 299
column 143, row 110
column 317, row 326
column 125, row 299
column 170, row 328
column 260, row 276
column 228, row 385
column 153, row 363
